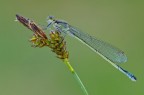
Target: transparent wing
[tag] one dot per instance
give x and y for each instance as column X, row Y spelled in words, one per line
column 104, row 49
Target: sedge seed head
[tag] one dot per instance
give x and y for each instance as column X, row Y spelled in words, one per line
column 40, row 39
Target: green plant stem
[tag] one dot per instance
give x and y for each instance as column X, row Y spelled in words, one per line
column 76, row 76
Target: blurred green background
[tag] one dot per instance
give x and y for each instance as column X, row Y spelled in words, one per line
column 36, row 71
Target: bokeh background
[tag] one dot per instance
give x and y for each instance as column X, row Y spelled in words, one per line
column 36, row 71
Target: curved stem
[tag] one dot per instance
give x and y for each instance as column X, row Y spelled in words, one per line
column 76, row 76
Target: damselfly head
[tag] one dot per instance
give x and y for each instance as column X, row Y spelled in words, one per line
column 59, row 25
column 50, row 21
column 51, row 17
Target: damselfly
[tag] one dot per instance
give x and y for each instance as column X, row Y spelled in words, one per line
column 108, row 52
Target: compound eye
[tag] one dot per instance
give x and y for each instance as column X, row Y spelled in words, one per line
column 51, row 17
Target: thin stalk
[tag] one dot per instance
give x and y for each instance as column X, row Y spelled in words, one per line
column 76, row 76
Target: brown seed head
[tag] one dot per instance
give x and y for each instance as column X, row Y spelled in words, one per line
column 55, row 42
